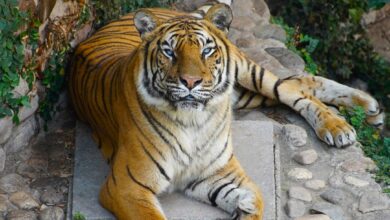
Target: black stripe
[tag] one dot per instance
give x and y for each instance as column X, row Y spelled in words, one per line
column 138, row 182
column 113, row 176
column 277, row 84
column 229, row 191
column 254, row 77
column 167, row 131
column 248, row 101
column 236, row 72
column 214, row 196
column 261, row 77
column 162, row 171
column 296, row 101
column 140, row 130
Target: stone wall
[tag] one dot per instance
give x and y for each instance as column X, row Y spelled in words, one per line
column 59, row 19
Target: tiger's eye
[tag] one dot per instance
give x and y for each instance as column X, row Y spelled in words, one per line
column 169, row 52
column 206, row 51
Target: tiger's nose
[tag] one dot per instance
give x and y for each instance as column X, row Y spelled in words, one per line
column 190, row 81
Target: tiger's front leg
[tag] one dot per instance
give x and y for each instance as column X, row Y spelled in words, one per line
column 229, row 189
column 329, row 127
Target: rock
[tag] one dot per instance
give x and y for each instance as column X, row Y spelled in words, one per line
column 261, row 9
column 242, row 9
column 299, row 193
column 51, row 197
column 189, row 5
column 25, row 112
column 3, row 203
column 245, row 42
column 6, row 126
column 21, row 215
column 300, row 174
column 333, row 211
column 337, row 197
column 11, row 183
column 20, row 90
column 313, row 217
column 287, row 58
column 2, row 159
column 28, row 171
column 270, row 31
column 294, row 135
column 22, row 135
column 353, row 181
column 52, row 213
column 243, row 23
column 23, row 200
column 378, row 215
column 295, row 208
column 315, row 184
column 306, row 157
column 373, row 201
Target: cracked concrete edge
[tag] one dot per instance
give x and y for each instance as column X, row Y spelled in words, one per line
column 278, row 189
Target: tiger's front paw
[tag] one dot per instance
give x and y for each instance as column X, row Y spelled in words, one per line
column 247, row 207
column 335, row 131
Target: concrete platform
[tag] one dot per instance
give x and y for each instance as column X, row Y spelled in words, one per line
column 254, row 147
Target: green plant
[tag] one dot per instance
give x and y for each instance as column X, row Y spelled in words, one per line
column 107, row 10
column 373, row 144
column 78, row 216
column 343, row 51
column 54, row 81
column 301, row 44
column 16, row 29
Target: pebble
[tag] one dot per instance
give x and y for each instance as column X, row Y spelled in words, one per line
column 52, row 213
column 23, row 200
column 51, row 197
column 300, row 174
column 333, row 211
column 373, row 201
column 295, row 208
column 313, row 217
column 306, row 157
column 315, row 184
column 353, row 181
column 12, row 183
column 337, row 197
column 299, row 193
column 295, row 136
column 358, row 165
column 21, row 215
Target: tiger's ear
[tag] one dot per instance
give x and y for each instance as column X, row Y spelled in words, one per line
column 145, row 21
column 221, row 16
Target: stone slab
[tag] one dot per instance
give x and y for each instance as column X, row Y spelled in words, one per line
column 253, row 145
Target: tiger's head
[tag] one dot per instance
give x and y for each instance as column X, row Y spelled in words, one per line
column 185, row 59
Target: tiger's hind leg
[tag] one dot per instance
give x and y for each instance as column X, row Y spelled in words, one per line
column 105, row 145
column 231, row 190
column 130, row 190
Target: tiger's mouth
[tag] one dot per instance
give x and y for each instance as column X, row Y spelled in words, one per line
column 190, row 102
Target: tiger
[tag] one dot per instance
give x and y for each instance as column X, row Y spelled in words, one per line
column 158, row 88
